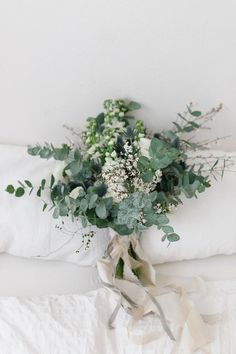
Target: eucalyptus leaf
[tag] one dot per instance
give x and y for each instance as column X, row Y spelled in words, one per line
column 28, row 183
column 133, row 106
column 84, row 205
column 56, row 213
column 101, row 210
column 173, row 237
column 19, row 192
column 92, row 201
column 10, row 189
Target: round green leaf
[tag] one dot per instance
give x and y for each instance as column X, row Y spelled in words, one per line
column 101, row 210
column 196, row 113
column 173, row 237
column 10, row 189
column 19, row 192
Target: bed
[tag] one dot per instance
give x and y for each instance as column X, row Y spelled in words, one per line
column 51, row 298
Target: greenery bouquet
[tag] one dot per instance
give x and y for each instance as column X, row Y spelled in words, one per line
column 118, row 175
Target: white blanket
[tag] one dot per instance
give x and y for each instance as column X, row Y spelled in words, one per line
column 77, row 324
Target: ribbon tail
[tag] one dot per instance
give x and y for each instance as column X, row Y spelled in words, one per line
column 113, row 316
column 162, row 317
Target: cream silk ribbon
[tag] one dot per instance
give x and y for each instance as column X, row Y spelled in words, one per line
column 148, row 294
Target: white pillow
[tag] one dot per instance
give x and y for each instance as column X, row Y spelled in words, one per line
column 27, row 231
column 207, row 225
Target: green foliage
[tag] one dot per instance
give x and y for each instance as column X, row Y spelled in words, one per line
column 49, row 151
column 153, row 183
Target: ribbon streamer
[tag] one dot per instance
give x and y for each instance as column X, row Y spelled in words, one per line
column 139, row 296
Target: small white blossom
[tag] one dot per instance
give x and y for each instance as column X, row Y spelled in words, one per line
column 144, row 144
column 114, row 154
column 76, row 192
column 116, row 124
column 171, row 208
column 158, row 208
column 158, row 175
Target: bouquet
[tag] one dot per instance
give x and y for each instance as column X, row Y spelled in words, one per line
column 119, row 175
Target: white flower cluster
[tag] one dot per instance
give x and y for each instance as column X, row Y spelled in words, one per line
column 122, row 175
column 115, row 176
column 160, row 209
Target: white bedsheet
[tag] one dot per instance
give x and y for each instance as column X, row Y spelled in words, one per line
column 77, row 324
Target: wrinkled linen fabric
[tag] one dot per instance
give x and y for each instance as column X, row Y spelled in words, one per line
column 78, row 324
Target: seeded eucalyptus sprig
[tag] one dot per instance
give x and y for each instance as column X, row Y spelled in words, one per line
column 119, row 176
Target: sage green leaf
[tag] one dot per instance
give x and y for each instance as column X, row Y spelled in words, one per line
column 63, row 210
column 201, row 188
column 19, row 192
column 92, row 201
column 45, row 206
column 160, row 163
column 163, row 238
column 147, row 176
column 102, row 223
column 52, row 181
column 77, row 155
column 173, row 237
column 151, row 218
column 143, row 163
column 153, row 196
column 56, row 213
column 62, row 153
column 156, row 146
column 162, row 220
column 75, row 167
column 39, row 192
column 33, row 150
column 167, row 229
column 101, row 210
column 133, row 106
column 108, row 203
column 84, row 205
column 43, row 182
column 28, row 183
column 45, row 153
column 162, row 154
column 84, row 221
column 10, row 189
column 196, row 113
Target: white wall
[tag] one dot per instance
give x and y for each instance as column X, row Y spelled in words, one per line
column 59, row 59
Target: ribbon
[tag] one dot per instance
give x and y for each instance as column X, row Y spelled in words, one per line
column 140, row 293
